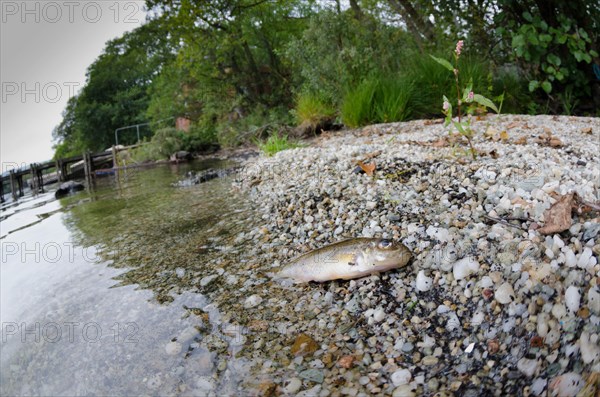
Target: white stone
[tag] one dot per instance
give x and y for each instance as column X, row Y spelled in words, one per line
column 593, row 298
column 401, row 377
column 173, row 348
column 527, row 366
column 585, row 258
column 542, row 325
column 378, row 314
column 589, row 348
column 486, row 282
column 464, row 267
column 572, row 298
column 424, row 283
column 207, row 280
column 538, row 385
column 477, row 318
column 567, row 385
column 470, row 348
column 559, row 311
column 504, row 294
column 570, row 259
column 558, row 243
column 293, row 386
column 252, row 301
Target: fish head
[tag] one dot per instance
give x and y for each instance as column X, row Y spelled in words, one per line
column 383, row 254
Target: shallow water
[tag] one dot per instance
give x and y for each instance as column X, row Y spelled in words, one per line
column 97, row 289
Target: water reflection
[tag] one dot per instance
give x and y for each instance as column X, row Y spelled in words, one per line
column 84, row 282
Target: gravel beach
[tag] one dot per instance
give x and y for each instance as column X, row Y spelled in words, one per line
column 494, row 301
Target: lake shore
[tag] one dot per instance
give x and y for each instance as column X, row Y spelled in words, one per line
column 493, row 301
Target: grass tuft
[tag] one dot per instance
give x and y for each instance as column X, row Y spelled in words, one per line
column 276, row 143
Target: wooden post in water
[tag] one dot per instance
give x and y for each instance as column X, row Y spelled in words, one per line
column 33, row 181
column 59, row 171
column 13, row 187
column 115, row 158
column 88, row 168
column 40, row 179
column 20, row 184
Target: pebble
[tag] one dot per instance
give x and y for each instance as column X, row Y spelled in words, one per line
column 207, row 280
column 379, row 315
column 293, row 386
column 504, row 294
column 464, row 268
column 528, row 367
column 313, row 375
column 252, row 301
column 403, row 391
column 572, row 298
column 593, row 298
column 567, row 384
column 407, row 347
column 423, row 283
column 429, row 360
column 589, row 345
column 401, row 377
column 173, row 348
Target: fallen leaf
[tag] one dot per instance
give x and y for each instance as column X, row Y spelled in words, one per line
column 442, row 142
column 513, row 125
column 587, row 130
column 521, row 141
column 555, row 142
column 504, row 135
column 304, row 345
column 367, row 168
column 558, row 217
column 267, row 389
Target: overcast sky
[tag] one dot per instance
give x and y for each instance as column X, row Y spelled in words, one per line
column 46, row 47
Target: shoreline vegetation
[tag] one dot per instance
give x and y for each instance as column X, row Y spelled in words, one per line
column 236, row 72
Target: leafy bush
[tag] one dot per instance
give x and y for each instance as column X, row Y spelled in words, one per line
column 237, row 130
column 200, row 137
column 336, row 51
column 553, row 52
column 167, row 141
column 146, row 152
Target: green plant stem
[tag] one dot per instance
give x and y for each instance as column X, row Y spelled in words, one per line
column 457, row 87
column 473, row 153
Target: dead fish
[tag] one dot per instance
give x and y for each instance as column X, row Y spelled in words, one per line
column 346, row 260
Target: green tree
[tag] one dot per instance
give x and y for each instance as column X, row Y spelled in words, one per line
column 115, row 93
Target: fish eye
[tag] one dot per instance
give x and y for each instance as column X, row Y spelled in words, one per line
column 385, row 244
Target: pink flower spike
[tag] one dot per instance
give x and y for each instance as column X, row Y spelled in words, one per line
column 471, row 96
column 459, row 47
column 446, row 106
